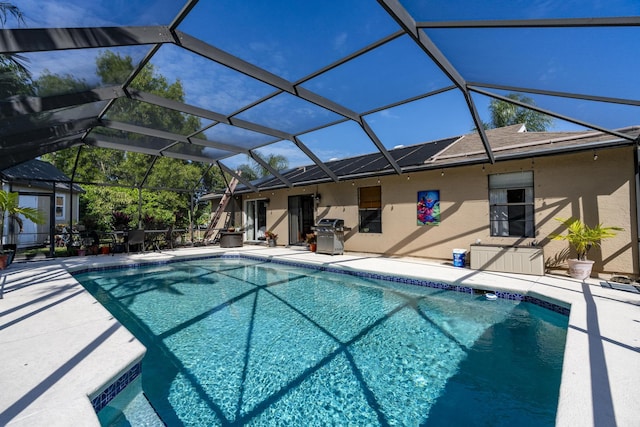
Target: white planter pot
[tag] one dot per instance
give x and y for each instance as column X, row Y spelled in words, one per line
column 580, row 269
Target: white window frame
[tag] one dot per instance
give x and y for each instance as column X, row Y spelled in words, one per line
column 64, row 206
column 511, row 218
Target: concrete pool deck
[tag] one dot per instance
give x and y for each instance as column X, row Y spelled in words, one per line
column 59, row 346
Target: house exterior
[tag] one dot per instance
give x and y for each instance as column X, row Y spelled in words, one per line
column 455, row 200
column 42, row 186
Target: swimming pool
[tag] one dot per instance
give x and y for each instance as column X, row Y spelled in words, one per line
column 248, row 342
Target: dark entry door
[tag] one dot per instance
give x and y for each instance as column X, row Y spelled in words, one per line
column 301, row 218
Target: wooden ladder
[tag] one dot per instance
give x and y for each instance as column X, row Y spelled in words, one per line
column 215, row 217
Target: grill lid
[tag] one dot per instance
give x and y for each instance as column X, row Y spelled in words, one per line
column 330, row 223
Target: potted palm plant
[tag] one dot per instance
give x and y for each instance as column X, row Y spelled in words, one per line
column 12, row 211
column 582, row 238
column 312, row 241
column 271, row 238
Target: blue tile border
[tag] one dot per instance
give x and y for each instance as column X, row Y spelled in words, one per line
column 399, row 279
column 109, row 393
column 548, row 305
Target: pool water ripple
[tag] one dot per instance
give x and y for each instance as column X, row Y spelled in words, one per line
column 245, row 342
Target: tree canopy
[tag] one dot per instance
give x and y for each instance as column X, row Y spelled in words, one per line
column 276, row 161
column 118, row 169
column 505, row 113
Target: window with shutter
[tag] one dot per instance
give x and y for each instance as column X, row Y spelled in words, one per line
column 370, row 209
column 511, row 204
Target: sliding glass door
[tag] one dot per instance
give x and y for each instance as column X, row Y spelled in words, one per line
column 255, row 219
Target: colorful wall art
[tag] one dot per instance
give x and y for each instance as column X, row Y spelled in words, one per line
column 429, row 207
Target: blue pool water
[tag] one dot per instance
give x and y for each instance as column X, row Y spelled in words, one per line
column 235, row 341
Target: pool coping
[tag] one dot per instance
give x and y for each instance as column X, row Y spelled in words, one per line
column 44, row 307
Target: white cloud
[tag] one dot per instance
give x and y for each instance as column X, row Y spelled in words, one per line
column 51, row 14
column 340, row 41
column 550, row 73
column 206, row 84
column 386, row 114
column 288, row 151
column 87, row 13
column 84, row 63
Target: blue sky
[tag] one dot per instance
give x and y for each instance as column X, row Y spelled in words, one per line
column 292, row 39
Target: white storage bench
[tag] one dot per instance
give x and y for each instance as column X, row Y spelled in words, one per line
column 508, row 259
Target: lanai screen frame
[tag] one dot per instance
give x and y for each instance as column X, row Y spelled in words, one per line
column 53, row 135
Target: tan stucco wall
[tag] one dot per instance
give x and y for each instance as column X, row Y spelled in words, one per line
column 600, row 191
column 567, row 185
column 277, row 211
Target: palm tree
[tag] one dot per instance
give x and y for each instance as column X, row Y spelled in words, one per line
column 15, row 78
column 582, row 237
column 276, row 161
column 504, row 113
column 7, row 9
column 247, row 172
column 11, row 210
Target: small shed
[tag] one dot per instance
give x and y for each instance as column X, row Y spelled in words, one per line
column 42, row 186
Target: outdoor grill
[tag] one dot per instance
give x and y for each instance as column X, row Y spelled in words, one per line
column 330, row 236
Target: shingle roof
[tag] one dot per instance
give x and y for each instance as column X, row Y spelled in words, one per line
column 373, row 164
column 515, row 140
column 38, row 173
column 507, row 142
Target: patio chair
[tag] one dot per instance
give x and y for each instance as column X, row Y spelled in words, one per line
column 135, row 237
column 168, row 237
